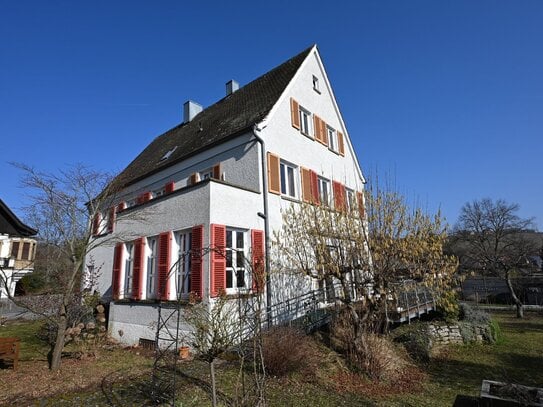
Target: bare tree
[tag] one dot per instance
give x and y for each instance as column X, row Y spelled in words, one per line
column 63, row 207
column 491, row 238
column 365, row 250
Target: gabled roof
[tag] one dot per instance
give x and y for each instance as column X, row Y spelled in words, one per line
column 229, row 117
column 10, row 224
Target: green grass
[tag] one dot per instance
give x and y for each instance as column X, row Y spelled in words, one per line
column 32, row 348
column 517, row 357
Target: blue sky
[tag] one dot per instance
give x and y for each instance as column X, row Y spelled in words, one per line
column 446, row 97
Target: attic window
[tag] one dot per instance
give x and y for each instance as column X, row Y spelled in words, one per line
column 316, row 84
column 168, row 154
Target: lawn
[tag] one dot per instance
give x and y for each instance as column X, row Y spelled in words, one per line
column 116, row 376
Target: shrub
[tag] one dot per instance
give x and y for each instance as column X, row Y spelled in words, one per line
column 447, row 306
column 474, row 315
column 416, row 340
column 380, row 360
column 285, row 350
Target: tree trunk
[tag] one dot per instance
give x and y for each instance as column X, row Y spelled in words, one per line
column 56, row 355
column 213, row 384
column 516, row 300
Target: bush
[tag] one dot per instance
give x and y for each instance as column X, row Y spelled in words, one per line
column 416, row 340
column 474, row 315
column 380, row 360
column 33, row 283
column 285, row 350
column 447, row 306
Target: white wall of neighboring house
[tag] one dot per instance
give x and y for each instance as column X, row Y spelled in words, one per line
column 13, row 268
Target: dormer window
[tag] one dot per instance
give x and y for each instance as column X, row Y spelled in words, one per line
column 316, row 84
column 168, row 154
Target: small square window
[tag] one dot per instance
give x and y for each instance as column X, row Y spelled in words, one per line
column 316, row 84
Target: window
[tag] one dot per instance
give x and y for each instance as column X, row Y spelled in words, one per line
column 182, row 265
column 324, row 190
column 351, row 203
column 159, row 192
column 316, row 84
column 152, row 267
column 129, row 269
column 332, row 139
column 305, row 121
column 236, row 273
column 288, row 179
column 206, row 174
column 15, row 249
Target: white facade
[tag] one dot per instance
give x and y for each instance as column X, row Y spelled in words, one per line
column 16, row 259
column 233, row 199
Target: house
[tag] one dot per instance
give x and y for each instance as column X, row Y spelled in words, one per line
column 17, row 250
column 221, row 179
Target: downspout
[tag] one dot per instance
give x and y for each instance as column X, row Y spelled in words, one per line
column 266, row 222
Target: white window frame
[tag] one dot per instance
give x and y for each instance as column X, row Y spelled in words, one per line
column 128, row 268
column 316, row 84
column 158, row 192
column 350, row 198
column 206, row 174
column 332, row 139
column 288, row 185
column 152, row 267
column 305, row 121
column 183, row 239
column 324, row 188
column 236, row 261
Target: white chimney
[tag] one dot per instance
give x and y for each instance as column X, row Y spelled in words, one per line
column 231, row 87
column 191, row 109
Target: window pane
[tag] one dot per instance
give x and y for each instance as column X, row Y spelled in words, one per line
column 240, row 278
column 229, row 278
column 240, row 259
column 283, row 180
column 228, row 258
column 229, row 238
column 291, row 190
column 239, row 243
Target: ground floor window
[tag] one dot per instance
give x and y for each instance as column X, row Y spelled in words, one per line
column 152, row 267
column 236, row 268
column 129, row 269
column 182, row 266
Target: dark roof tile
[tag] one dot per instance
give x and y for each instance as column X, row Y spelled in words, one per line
column 221, row 121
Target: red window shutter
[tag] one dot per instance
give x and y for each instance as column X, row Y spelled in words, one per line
column 121, row 206
column 258, row 260
column 306, row 184
column 196, row 265
column 274, row 179
column 314, row 188
column 341, row 147
column 169, row 187
column 217, row 171
column 193, row 179
column 295, row 114
column 316, row 127
column 116, row 275
column 96, row 224
column 137, row 282
column 147, row 196
column 339, row 196
column 218, row 259
column 324, row 133
column 164, row 244
column 111, row 219
column 360, row 199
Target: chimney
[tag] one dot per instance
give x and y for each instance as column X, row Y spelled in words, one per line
column 231, row 87
column 190, row 110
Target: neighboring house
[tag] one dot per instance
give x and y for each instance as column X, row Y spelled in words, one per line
column 17, row 250
column 221, row 178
